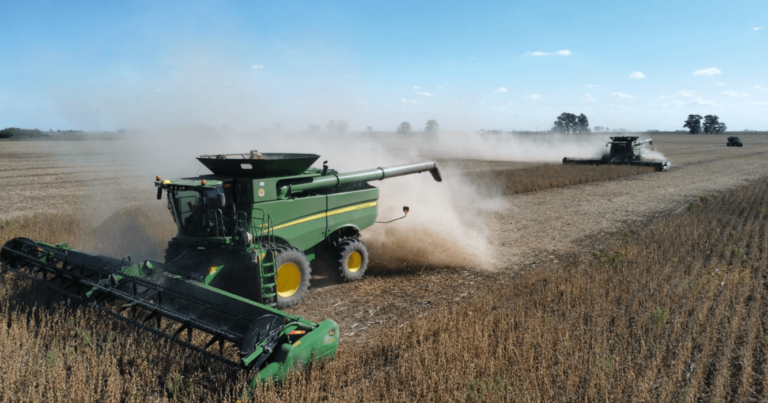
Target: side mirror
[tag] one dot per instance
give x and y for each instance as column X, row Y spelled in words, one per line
column 159, row 193
column 222, row 199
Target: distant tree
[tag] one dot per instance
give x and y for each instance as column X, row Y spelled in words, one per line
column 313, row 127
column 18, row 133
column 721, row 128
column 432, row 127
column 693, row 123
column 582, row 124
column 404, row 128
column 712, row 125
column 566, row 123
column 337, row 126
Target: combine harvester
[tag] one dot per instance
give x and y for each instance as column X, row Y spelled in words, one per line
column 246, row 237
column 624, row 151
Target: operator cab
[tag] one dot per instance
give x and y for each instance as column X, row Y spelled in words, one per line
column 623, row 146
column 202, row 208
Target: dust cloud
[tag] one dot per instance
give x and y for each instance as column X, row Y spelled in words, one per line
column 207, row 103
column 447, row 225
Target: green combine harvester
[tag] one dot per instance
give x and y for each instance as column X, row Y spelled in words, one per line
column 247, row 237
column 625, row 150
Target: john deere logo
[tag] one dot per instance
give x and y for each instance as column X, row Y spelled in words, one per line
column 261, row 192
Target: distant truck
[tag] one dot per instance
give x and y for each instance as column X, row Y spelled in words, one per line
column 734, row 142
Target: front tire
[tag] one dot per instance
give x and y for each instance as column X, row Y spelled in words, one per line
column 351, row 259
column 291, row 277
column 173, row 251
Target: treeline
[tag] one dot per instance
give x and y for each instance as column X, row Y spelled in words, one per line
column 712, row 124
column 17, row 133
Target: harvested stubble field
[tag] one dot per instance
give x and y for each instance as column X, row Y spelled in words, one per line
column 662, row 299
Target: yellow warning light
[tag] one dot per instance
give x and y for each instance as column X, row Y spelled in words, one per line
column 166, row 182
column 212, row 270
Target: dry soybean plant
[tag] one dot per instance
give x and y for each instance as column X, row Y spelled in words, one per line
column 674, row 311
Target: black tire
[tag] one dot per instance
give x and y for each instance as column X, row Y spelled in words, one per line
column 292, row 275
column 728, row 144
column 172, row 251
column 351, row 259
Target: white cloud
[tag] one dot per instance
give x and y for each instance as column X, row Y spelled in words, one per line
column 616, row 106
column 757, row 28
column 698, row 101
column 637, row 74
column 591, row 86
column 674, row 104
column 405, row 101
column 734, row 94
column 760, row 87
column 500, row 90
column 564, row 52
column 533, row 97
column 621, row 95
column 425, row 94
column 257, row 66
column 707, row 72
column 719, row 83
column 703, row 102
column 416, row 87
column 686, row 93
column 588, row 98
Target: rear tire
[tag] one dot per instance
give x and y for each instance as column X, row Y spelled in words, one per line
column 351, row 258
column 292, row 275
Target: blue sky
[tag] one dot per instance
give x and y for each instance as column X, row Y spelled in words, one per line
column 492, row 65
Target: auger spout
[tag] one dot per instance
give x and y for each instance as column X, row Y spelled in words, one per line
column 340, row 179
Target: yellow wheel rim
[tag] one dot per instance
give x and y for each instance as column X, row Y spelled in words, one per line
column 354, row 261
column 288, row 279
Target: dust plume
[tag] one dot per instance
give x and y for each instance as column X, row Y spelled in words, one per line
column 447, row 225
column 209, row 102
